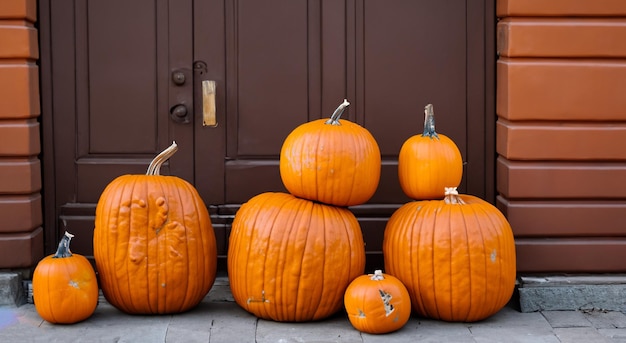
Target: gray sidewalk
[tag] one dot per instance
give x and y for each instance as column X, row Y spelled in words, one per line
column 218, row 319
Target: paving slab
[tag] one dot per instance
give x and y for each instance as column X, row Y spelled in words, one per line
column 334, row 329
column 615, row 335
column 566, row 319
column 580, row 335
column 606, row 319
column 510, row 325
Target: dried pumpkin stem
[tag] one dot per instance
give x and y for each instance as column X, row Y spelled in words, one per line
column 334, row 119
column 429, row 122
column 451, row 196
column 155, row 166
column 64, row 246
column 377, row 276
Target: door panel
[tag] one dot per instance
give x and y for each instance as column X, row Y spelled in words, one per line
column 111, row 104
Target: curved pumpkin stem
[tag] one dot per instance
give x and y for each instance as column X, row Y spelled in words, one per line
column 452, row 196
column 155, row 166
column 334, row 119
column 377, row 276
column 429, row 122
column 64, row 246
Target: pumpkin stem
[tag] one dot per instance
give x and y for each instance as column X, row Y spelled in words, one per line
column 64, row 246
column 155, row 166
column 452, row 196
column 334, row 119
column 377, row 276
column 429, row 122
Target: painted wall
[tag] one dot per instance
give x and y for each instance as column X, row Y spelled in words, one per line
column 561, row 132
column 21, row 234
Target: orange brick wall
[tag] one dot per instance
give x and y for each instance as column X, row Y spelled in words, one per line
column 561, row 132
column 21, row 234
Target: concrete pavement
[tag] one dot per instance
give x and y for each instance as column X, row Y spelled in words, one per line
column 218, row 319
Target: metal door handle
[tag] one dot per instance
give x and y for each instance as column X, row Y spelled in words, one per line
column 208, row 103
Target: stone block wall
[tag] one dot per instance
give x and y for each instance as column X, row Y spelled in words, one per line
column 21, row 233
column 561, row 132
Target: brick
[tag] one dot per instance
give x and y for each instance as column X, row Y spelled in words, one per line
column 19, row 91
column 505, row 8
column 573, row 255
column 562, row 37
column 21, row 250
column 560, row 180
column 19, row 138
column 20, row 213
column 18, row 9
column 561, row 89
column 18, row 42
column 20, row 176
column 561, row 140
column 564, row 218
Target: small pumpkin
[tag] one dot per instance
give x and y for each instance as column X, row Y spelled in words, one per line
column 65, row 288
column 333, row 161
column 154, row 243
column 429, row 162
column 377, row 303
column 456, row 256
column 291, row 259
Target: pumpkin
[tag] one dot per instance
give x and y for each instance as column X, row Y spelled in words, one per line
column 154, row 243
column 377, row 303
column 429, row 162
column 291, row 259
column 65, row 288
column 456, row 256
column 333, row 161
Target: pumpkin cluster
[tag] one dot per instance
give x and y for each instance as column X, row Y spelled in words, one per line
column 291, row 256
column 454, row 252
column 299, row 255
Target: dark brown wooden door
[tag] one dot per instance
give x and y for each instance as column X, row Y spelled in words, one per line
column 276, row 64
column 109, row 65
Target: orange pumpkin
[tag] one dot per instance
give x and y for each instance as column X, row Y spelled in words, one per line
column 333, row 161
column 154, row 244
column 65, row 288
column 291, row 259
column 429, row 162
column 455, row 256
column 377, row 303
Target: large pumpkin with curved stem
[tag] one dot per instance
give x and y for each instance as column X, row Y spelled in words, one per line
column 456, row 256
column 65, row 288
column 291, row 259
column 333, row 161
column 429, row 162
column 377, row 303
column 154, row 244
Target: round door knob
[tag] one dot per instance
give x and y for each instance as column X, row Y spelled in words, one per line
column 179, row 111
column 178, row 78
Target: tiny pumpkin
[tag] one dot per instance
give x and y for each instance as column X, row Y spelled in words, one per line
column 429, row 162
column 291, row 259
column 334, row 161
column 154, row 243
column 377, row 303
column 456, row 256
column 65, row 288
